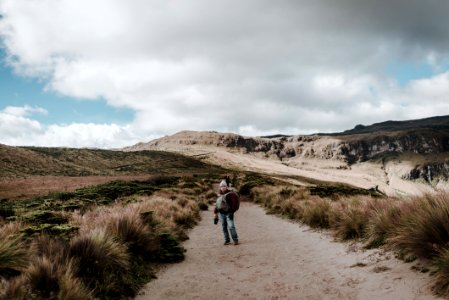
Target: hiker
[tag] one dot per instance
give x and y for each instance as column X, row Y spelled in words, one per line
column 227, row 204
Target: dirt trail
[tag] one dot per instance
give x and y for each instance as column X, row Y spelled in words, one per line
column 278, row 259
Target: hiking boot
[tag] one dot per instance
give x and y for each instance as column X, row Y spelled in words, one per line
column 236, row 242
column 227, row 243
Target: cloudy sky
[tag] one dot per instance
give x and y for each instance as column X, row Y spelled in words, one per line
column 111, row 73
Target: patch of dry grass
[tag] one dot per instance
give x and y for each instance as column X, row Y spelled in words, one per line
column 441, row 286
column 384, row 218
column 100, row 261
column 349, row 218
column 424, row 227
column 316, row 212
column 14, row 255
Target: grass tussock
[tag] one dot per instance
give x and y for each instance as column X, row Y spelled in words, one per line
column 424, row 227
column 139, row 237
column 316, row 213
column 384, row 218
column 14, row 289
column 441, row 286
column 100, row 261
column 349, row 218
column 14, row 255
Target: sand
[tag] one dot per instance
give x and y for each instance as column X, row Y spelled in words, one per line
column 279, row 259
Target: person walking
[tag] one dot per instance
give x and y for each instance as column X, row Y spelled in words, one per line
column 227, row 204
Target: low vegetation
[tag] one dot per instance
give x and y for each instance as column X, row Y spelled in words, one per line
column 415, row 228
column 98, row 242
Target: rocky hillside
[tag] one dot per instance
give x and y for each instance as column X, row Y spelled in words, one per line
column 427, row 139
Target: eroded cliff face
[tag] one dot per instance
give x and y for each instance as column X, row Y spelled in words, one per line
column 367, row 147
column 432, row 173
column 350, row 149
column 346, row 149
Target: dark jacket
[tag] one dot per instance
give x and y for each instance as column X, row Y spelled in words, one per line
column 233, row 199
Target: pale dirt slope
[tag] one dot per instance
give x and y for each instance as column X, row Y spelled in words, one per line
column 387, row 178
column 278, row 259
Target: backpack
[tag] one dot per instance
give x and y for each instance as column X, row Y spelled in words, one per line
column 222, row 204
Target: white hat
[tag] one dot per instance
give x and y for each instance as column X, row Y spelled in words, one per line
column 223, row 183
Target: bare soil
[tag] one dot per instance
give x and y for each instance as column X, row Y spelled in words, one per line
column 279, row 259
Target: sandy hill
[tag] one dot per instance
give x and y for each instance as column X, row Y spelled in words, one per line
column 398, row 158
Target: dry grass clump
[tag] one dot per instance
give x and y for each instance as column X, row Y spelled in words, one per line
column 139, row 238
column 100, row 261
column 50, row 280
column 173, row 215
column 349, row 218
column 441, row 286
column 293, row 208
column 424, row 227
column 384, row 218
column 49, row 275
column 281, row 199
column 13, row 289
column 316, row 212
column 14, row 254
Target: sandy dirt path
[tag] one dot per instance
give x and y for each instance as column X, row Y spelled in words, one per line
column 278, row 259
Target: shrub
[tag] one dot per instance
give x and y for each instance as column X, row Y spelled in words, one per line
column 136, row 235
column 14, row 255
column 351, row 221
column 170, row 251
column 45, row 216
column 424, row 227
column 51, row 279
column 245, row 189
column 286, row 192
column 185, row 220
column 163, row 180
column 384, row 219
column 203, row 206
column 6, row 210
column 293, row 208
column 43, row 277
column 100, row 261
column 14, row 289
column 316, row 213
column 441, row 286
column 71, row 288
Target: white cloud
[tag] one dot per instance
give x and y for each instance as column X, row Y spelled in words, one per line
column 16, row 111
column 17, row 128
column 243, row 66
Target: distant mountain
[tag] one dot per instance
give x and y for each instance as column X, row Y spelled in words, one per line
column 439, row 123
column 418, row 149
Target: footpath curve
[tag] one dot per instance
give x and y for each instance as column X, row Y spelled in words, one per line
column 278, row 259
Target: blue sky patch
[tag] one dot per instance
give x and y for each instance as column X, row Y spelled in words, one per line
column 20, row 91
column 404, row 72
